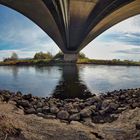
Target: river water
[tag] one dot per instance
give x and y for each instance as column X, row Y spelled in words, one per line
column 68, row 81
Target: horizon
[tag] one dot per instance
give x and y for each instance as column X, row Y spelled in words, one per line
column 122, row 41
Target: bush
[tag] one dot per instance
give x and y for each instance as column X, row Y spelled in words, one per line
column 42, row 55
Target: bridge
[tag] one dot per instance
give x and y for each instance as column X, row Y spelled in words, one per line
column 72, row 24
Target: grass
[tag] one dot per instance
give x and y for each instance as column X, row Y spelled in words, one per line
column 79, row 61
column 108, row 62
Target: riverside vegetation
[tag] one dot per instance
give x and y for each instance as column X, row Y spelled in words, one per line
column 48, row 59
column 111, row 116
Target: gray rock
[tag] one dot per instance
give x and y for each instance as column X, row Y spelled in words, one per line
column 24, row 103
column 39, row 110
column 27, row 97
column 30, row 111
column 54, row 110
column 86, row 112
column 40, row 114
column 1, row 98
column 45, row 109
column 49, row 117
column 64, row 115
column 113, row 106
column 75, row 117
column 39, row 104
column 74, row 110
column 105, row 103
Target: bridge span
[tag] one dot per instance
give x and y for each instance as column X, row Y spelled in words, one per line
column 72, row 24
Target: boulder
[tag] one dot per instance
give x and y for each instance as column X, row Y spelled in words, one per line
column 30, row 111
column 75, row 117
column 24, row 103
column 64, row 115
column 86, row 112
column 54, row 109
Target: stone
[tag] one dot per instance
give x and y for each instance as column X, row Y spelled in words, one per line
column 49, row 117
column 24, row 103
column 64, row 115
column 27, row 97
column 105, row 103
column 39, row 104
column 86, row 112
column 113, row 106
column 45, row 109
column 40, row 115
column 1, row 98
column 54, row 110
column 138, row 126
column 88, row 120
column 39, row 110
column 74, row 110
column 75, row 117
column 30, row 111
column 135, row 104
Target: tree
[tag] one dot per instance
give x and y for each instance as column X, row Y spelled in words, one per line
column 42, row 55
column 14, row 56
column 59, row 55
column 81, row 56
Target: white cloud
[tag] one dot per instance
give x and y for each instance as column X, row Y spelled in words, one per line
column 123, row 36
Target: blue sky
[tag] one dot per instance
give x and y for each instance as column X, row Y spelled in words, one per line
column 21, row 35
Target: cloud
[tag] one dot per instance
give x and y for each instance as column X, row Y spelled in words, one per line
column 19, row 33
column 129, row 51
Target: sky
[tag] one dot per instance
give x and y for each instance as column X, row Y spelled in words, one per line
column 19, row 34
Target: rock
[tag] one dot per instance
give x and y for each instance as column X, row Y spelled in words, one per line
column 45, row 109
column 49, row 116
column 39, row 110
column 30, row 111
column 135, row 104
column 88, row 120
column 39, row 104
column 54, row 110
column 27, row 97
column 105, row 103
column 68, row 106
column 74, row 110
column 1, row 98
column 75, row 117
column 86, row 112
column 64, row 115
column 18, row 93
column 113, row 106
column 24, row 103
column 75, row 123
column 40, row 115
column 138, row 126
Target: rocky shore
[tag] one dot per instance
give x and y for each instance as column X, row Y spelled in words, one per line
column 111, row 116
column 97, row 109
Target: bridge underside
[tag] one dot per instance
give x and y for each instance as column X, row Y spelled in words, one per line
column 72, row 24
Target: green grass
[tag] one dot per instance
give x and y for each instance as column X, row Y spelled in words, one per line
column 44, row 62
column 108, row 62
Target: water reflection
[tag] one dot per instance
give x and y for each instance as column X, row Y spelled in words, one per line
column 68, row 81
column 70, row 85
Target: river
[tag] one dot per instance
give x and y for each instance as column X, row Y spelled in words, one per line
column 68, row 81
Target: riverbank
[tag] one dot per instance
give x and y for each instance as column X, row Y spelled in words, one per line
column 115, row 115
column 45, row 62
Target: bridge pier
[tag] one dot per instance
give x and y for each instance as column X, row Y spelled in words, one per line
column 70, row 57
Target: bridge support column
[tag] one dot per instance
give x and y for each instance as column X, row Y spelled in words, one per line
column 70, row 57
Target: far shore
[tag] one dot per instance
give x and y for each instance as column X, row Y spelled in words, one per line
column 50, row 62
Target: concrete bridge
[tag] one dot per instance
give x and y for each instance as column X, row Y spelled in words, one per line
column 72, row 24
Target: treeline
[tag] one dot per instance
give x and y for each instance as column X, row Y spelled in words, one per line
column 47, row 58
